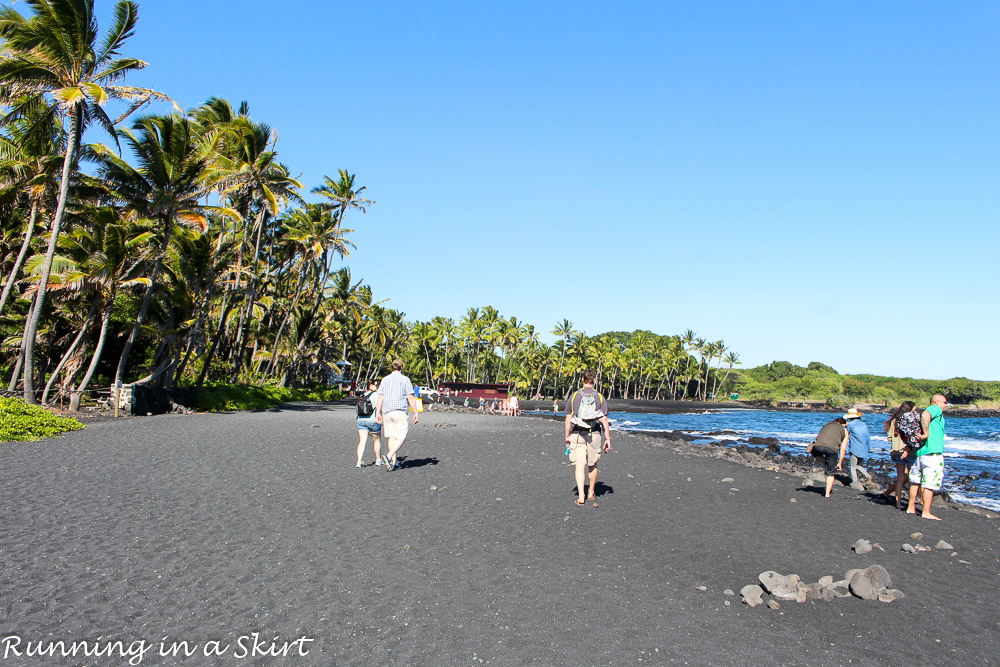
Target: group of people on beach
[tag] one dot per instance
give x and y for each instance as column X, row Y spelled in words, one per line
column 508, row 407
column 382, row 411
column 917, row 439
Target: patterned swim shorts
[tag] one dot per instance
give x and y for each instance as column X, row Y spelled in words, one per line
column 928, row 471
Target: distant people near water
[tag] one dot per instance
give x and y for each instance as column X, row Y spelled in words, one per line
column 482, row 405
column 555, row 405
column 466, row 402
column 515, row 406
column 368, row 424
column 860, row 443
column 927, row 473
column 901, row 429
column 395, row 394
column 493, row 406
column 586, row 419
column 830, row 446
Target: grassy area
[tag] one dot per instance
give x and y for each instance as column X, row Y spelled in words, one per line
column 218, row 398
column 23, row 423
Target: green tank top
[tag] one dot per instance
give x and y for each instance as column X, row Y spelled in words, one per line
column 935, row 439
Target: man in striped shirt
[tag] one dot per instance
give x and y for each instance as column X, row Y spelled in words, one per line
column 395, row 394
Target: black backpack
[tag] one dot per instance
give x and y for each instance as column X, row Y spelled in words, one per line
column 364, row 406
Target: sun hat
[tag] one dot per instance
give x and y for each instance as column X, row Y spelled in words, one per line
column 852, row 413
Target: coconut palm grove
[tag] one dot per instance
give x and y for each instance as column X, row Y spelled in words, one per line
column 177, row 250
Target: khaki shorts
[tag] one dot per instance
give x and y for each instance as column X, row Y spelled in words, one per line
column 394, row 424
column 585, row 447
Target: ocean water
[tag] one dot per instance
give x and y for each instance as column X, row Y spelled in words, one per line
column 972, row 445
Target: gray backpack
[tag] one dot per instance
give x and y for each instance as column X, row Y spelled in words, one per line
column 588, row 416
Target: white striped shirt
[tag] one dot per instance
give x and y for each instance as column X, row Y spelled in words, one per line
column 394, row 389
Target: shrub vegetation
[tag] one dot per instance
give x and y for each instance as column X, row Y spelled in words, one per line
column 222, row 397
column 23, row 423
column 783, row 381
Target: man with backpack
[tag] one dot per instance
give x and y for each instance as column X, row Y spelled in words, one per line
column 586, row 418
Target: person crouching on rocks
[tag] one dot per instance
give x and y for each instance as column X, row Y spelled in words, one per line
column 830, row 447
column 901, row 429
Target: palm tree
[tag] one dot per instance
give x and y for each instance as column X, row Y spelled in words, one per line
column 720, row 350
column 445, row 330
column 343, row 194
column 53, row 61
column 563, row 330
column 165, row 187
column 732, row 359
column 106, row 256
column 242, row 167
column 29, row 166
column 318, row 233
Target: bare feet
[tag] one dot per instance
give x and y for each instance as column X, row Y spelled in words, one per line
column 580, row 503
column 928, row 515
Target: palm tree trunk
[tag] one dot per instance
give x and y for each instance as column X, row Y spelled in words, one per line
column 281, row 328
column 31, row 326
column 17, row 369
column 19, row 364
column 25, row 245
column 196, row 333
column 146, row 301
column 309, row 325
column 226, row 307
column 247, row 311
column 74, row 399
column 726, row 377
column 72, row 349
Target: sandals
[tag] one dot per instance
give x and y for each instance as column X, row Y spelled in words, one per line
column 580, row 503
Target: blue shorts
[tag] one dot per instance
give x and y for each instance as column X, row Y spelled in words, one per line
column 369, row 424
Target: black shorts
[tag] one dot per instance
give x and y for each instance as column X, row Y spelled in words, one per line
column 829, row 457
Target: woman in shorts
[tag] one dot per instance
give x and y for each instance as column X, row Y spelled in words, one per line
column 830, row 446
column 368, row 425
column 904, row 415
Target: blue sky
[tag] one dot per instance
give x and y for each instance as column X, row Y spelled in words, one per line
column 808, row 182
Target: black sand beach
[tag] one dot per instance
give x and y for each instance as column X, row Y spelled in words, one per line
column 213, row 527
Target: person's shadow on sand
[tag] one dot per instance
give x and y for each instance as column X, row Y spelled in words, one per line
column 416, row 463
column 600, row 489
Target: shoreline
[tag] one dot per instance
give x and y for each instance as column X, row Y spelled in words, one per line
column 756, row 452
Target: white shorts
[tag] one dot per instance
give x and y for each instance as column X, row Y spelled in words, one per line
column 394, row 424
column 928, row 471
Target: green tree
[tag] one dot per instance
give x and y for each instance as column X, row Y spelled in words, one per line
column 165, row 187
column 53, row 61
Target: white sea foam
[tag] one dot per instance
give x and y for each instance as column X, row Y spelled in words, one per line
column 988, row 503
column 988, row 447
